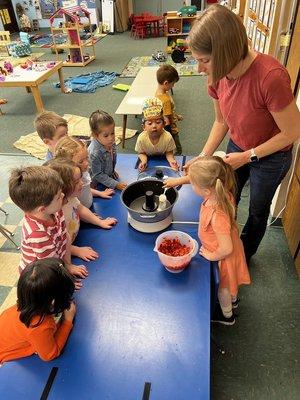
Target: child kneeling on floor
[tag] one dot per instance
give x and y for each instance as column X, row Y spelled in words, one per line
column 38, row 192
column 45, row 288
column 154, row 140
column 103, row 151
column 75, row 150
column 73, row 210
column 213, row 179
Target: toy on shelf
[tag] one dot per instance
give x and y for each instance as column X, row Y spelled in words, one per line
column 178, row 28
column 78, row 28
column 173, row 31
column 189, row 11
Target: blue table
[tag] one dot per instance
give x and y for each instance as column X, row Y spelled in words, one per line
column 135, row 323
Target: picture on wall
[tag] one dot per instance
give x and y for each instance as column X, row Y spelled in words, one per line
column 48, row 7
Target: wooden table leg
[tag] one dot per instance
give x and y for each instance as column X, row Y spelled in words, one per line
column 61, row 80
column 37, row 98
column 124, row 130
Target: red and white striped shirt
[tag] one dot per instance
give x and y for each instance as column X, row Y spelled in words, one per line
column 43, row 239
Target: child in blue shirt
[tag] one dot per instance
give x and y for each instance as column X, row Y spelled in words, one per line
column 102, row 151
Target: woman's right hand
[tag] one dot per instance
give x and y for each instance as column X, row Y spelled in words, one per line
column 69, row 314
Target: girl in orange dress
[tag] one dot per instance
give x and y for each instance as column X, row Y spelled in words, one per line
column 213, row 179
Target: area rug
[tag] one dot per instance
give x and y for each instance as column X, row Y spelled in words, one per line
column 89, row 83
column 46, row 41
column 188, row 68
column 19, row 60
column 77, row 126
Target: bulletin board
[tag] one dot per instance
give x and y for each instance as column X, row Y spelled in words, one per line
column 48, row 7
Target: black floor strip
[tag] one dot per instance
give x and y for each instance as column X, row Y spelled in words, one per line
column 49, row 383
column 147, row 389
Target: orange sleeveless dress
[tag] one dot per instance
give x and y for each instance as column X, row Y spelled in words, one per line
column 233, row 268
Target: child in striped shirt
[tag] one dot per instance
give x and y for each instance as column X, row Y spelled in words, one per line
column 38, row 192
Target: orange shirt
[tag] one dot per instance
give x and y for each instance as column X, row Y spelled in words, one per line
column 17, row 341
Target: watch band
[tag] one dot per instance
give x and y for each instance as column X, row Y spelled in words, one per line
column 253, row 156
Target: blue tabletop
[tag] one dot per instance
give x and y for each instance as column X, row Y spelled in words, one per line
column 135, row 323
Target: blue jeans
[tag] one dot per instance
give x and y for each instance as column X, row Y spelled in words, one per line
column 265, row 176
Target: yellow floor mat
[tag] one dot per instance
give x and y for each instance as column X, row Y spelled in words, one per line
column 77, row 126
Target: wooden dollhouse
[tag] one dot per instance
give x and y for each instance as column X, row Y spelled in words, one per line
column 78, row 29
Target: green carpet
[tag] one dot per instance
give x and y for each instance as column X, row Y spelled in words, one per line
column 262, row 348
column 187, row 68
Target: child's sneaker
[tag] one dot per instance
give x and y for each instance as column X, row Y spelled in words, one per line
column 235, row 303
column 220, row 318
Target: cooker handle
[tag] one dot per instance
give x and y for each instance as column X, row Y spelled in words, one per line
column 196, row 248
column 148, row 216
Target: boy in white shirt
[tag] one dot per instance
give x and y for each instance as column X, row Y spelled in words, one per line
column 154, row 140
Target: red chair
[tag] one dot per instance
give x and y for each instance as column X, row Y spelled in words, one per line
column 138, row 28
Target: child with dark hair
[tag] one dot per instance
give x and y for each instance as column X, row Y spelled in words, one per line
column 166, row 77
column 103, row 152
column 45, row 288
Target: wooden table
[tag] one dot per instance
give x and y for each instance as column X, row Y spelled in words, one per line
column 31, row 79
column 143, row 87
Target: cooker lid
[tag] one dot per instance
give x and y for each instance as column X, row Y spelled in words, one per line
column 160, row 173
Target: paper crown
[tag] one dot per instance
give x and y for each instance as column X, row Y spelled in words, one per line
column 152, row 108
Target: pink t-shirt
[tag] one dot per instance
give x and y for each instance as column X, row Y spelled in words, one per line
column 246, row 103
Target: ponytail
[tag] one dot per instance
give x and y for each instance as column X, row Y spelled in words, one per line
column 223, row 200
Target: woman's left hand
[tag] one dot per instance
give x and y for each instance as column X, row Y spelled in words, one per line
column 236, row 160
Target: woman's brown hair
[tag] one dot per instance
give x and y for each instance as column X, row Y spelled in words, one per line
column 220, row 33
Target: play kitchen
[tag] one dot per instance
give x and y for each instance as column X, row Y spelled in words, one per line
column 150, row 207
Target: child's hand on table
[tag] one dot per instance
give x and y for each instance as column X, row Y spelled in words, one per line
column 108, row 223
column 104, row 194
column 87, row 254
column 179, row 117
column 142, row 166
column 69, row 314
column 121, row 185
column 78, row 270
column 174, row 165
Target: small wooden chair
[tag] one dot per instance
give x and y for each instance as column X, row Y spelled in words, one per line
column 4, row 41
column 5, row 232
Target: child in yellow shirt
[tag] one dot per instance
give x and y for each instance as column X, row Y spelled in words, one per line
column 154, row 140
column 167, row 76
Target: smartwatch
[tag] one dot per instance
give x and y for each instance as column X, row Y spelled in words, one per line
column 253, row 156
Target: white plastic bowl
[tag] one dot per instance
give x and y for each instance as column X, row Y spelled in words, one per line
column 176, row 264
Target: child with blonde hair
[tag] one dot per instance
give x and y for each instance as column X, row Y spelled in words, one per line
column 73, row 210
column 154, row 140
column 213, row 179
column 103, row 151
column 75, row 150
column 50, row 127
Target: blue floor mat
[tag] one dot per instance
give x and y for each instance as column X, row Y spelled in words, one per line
column 88, row 83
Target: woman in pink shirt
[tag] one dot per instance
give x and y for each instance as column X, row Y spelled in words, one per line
column 254, row 103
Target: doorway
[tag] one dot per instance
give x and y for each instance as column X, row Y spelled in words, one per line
column 7, row 16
